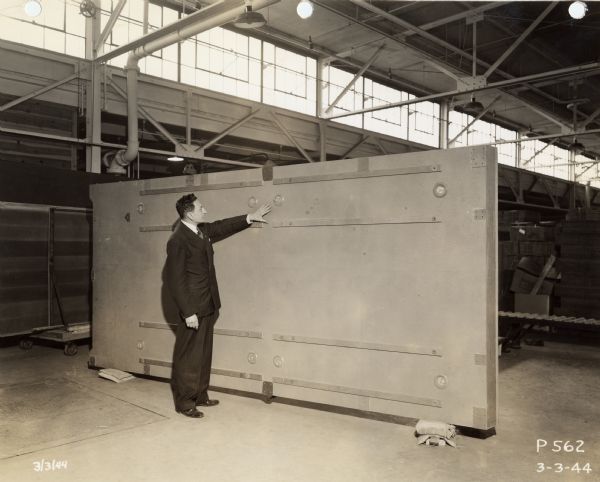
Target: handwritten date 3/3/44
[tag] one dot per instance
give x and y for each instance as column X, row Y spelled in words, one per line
column 560, row 468
column 48, row 465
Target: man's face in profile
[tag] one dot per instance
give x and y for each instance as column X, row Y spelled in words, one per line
column 198, row 213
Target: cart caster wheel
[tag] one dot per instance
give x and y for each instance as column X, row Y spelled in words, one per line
column 25, row 344
column 70, row 349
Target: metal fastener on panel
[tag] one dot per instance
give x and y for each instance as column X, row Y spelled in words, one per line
column 479, row 214
column 440, row 189
column 278, row 361
column 441, row 381
column 140, row 345
column 252, row 357
column 140, row 208
column 252, row 202
column 278, row 200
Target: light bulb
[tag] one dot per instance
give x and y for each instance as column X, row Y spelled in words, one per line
column 33, row 8
column 577, row 10
column 304, row 9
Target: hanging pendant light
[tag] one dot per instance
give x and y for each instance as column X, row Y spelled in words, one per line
column 249, row 19
column 576, row 146
column 189, row 169
column 473, row 106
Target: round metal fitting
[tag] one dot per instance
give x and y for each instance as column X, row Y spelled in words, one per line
column 278, row 361
column 252, row 357
column 440, row 189
column 140, row 208
column 441, row 381
column 140, row 345
column 278, row 200
column 252, row 202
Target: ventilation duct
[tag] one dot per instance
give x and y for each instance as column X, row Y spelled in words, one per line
column 212, row 16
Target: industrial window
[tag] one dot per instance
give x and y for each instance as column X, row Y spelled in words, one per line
column 457, row 134
column 335, row 80
column 417, row 122
column 394, row 121
column 482, row 132
column 587, row 170
column 223, row 61
column 223, row 53
column 246, row 67
column 60, row 27
column 129, row 26
column 290, row 72
column 289, row 79
column 507, row 153
column 423, row 124
column 561, row 165
column 545, row 158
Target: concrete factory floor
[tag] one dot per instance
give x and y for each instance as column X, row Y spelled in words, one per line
column 53, row 408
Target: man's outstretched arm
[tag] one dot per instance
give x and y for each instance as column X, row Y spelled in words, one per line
column 224, row 228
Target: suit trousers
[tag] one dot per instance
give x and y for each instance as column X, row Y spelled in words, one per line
column 192, row 361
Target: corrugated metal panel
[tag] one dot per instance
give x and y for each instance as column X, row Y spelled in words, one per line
column 29, row 234
column 71, row 252
column 23, row 268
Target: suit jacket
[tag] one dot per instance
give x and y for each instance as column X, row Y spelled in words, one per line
column 190, row 270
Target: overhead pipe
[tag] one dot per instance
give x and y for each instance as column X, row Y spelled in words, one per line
column 206, row 21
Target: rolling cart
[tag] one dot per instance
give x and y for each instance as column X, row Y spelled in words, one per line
column 67, row 335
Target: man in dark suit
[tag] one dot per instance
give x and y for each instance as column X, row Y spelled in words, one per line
column 192, row 282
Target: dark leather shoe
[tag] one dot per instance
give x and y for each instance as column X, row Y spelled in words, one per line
column 191, row 412
column 207, row 403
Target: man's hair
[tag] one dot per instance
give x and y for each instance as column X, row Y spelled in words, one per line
column 185, row 204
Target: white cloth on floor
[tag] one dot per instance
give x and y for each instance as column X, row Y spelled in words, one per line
column 433, row 433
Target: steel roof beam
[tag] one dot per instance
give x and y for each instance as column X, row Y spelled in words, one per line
column 479, row 116
column 519, row 40
column 539, row 151
column 287, row 133
column 158, row 126
column 413, row 28
column 38, row 92
column 109, row 25
column 211, row 11
column 354, row 79
column 590, row 118
column 230, row 129
column 453, row 18
column 416, row 51
column 493, row 85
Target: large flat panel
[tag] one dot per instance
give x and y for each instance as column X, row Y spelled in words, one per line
column 372, row 287
column 72, row 251
column 32, row 237
column 23, row 268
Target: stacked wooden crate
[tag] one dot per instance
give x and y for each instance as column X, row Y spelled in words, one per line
column 525, row 244
column 579, row 263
